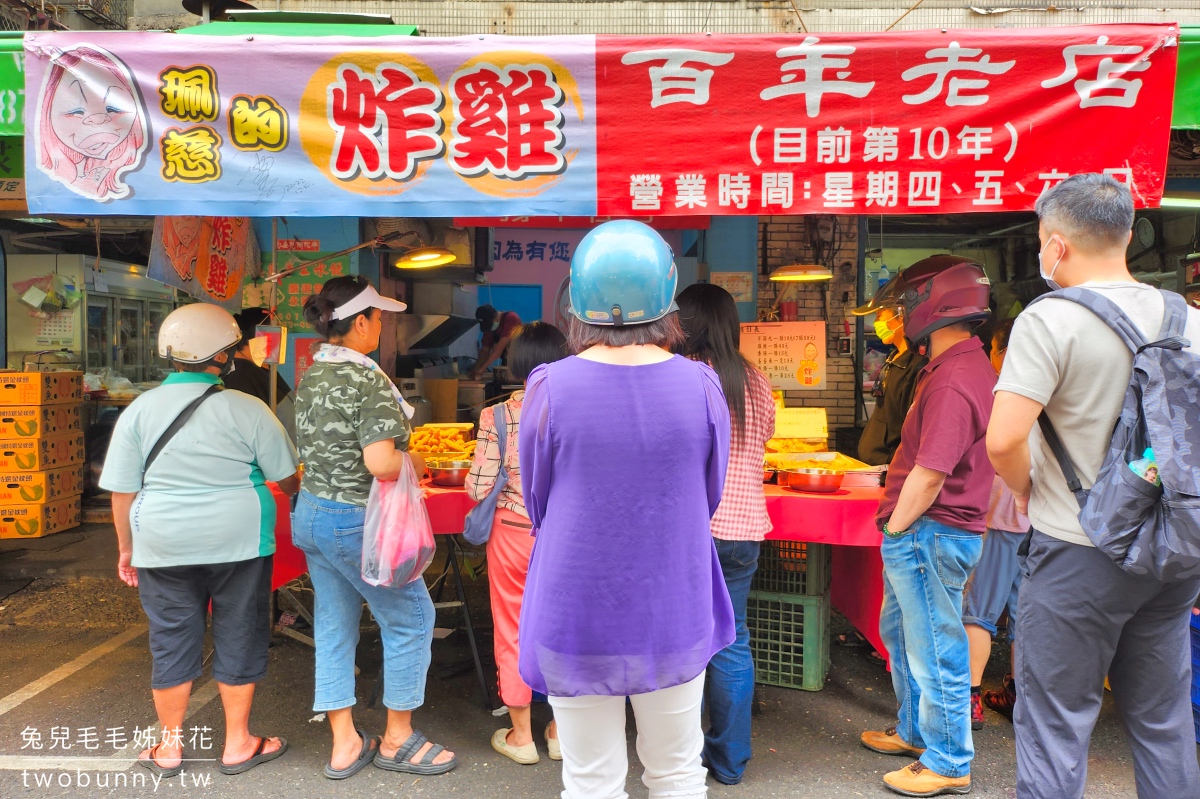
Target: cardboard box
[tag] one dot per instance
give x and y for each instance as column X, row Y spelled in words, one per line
column 22, row 488
column 40, row 421
column 40, row 388
column 40, row 454
column 35, row 521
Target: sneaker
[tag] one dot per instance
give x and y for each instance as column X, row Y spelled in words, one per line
column 916, row 780
column 1004, row 700
column 976, row 711
column 888, row 742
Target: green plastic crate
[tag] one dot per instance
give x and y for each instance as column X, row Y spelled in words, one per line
column 789, row 639
column 793, row 567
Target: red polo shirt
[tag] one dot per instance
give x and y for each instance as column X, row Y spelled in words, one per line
column 945, row 431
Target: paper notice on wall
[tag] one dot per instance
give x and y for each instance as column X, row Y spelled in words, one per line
column 791, row 354
column 56, row 330
column 738, row 284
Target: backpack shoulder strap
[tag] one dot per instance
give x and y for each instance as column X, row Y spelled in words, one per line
column 1175, row 310
column 177, row 425
column 1107, row 310
column 1064, row 460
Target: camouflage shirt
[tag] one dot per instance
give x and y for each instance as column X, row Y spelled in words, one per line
column 341, row 408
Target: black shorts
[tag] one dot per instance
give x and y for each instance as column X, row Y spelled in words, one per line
column 176, row 600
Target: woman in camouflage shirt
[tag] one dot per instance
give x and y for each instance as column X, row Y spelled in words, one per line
column 351, row 428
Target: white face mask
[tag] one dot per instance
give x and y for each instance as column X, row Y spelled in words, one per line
column 1049, row 278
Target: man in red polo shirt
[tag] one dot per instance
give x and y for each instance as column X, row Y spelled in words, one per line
column 933, row 516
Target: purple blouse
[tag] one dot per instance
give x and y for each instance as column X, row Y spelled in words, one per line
column 623, row 467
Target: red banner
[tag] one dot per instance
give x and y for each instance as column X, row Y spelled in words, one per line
column 896, row 123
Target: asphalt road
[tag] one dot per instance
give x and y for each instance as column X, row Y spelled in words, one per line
column 75, row 656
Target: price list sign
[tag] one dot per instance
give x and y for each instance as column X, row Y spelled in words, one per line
column 791, row 354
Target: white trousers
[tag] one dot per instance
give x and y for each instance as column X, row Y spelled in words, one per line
column 591, row 730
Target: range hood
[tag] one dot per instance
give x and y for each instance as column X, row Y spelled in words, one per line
column 427, row 333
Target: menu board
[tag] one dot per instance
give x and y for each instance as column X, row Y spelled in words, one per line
column 791, row 354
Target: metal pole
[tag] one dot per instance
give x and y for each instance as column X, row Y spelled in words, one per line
column 274, row 370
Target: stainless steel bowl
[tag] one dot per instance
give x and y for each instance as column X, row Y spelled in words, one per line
column 813, row 481
column 449, row 473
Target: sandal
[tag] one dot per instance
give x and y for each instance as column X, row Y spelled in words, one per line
column 425, row 767
column 851, row 640
column 1004, row 700
column 370, row 748
column 526, row 755
column 258, row 758
column 152, row 764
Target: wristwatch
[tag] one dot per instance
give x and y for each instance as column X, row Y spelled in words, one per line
column 893, row 533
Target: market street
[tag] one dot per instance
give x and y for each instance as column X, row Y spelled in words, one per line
column 805, row 744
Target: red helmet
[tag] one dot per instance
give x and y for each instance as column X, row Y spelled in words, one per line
column 943, row 290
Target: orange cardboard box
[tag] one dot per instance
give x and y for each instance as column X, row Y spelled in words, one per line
column 40, row 454
column 20, row 488
column 35, row 521
column 40, row 388
column 40, row 421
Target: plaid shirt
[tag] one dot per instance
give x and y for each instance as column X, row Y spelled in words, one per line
column 742, row 514
column 486, row 467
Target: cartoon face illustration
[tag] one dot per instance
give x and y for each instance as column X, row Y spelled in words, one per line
column 810, row 351
column 179, row 235
column 92, row 125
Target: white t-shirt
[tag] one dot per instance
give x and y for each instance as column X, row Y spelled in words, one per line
column 1062, row 356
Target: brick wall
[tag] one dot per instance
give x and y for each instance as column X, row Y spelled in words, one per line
column 789, row 240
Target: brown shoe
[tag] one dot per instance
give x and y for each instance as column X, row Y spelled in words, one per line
column 916, row 780
column 888, row 742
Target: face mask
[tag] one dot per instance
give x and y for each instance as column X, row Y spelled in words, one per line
column 1049, row 278
column 882, row 330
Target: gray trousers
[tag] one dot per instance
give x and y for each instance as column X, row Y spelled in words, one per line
column 1080, row 617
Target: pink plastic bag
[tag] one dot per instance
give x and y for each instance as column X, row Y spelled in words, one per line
column 397, row 535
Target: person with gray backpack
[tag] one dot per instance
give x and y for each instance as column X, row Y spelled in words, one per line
column 1103, row 372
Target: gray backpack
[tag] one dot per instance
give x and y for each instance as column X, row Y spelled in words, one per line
column 1146, row 529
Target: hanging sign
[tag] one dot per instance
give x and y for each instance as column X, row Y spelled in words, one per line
column 791, row 354
column 583, row 126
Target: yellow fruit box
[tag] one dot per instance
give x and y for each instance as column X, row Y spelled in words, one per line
column 40, row 454
column 40, row 421
column 48, row 486
column 35, row 521
column 40, row 388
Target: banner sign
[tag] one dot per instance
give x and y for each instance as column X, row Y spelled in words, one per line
column 207, row 257
column 489, row 126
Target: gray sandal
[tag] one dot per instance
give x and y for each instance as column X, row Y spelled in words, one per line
column 425, row 766
column 370, row 746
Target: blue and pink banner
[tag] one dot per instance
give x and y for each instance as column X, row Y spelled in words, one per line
column 486, row 126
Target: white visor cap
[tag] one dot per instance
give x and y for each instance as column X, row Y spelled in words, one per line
column 367, row 298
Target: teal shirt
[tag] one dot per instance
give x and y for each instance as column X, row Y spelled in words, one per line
column 205, row 499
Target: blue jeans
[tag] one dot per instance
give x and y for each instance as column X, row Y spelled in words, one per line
column 729, row 686
column 924, row 573
column 331, row 536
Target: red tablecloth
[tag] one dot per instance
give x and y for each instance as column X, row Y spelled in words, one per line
column 847, row 521
column 448, row 509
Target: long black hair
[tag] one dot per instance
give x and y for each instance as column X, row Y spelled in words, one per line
column 709, row 319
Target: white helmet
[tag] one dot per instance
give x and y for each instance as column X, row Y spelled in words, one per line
column 197, row 332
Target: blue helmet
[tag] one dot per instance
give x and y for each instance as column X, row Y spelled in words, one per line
column 623, row 273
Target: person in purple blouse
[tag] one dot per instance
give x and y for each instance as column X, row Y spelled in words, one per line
column 623, row 452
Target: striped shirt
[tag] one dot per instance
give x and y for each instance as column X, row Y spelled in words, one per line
column 742, row 514
column 486, row 467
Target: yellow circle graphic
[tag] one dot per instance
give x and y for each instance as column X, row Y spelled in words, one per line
column 318, row 135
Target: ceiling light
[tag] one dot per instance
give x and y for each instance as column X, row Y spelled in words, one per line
column 801, row 273
column 425, row 258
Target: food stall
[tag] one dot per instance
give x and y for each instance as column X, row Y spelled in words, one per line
column 283, row 129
